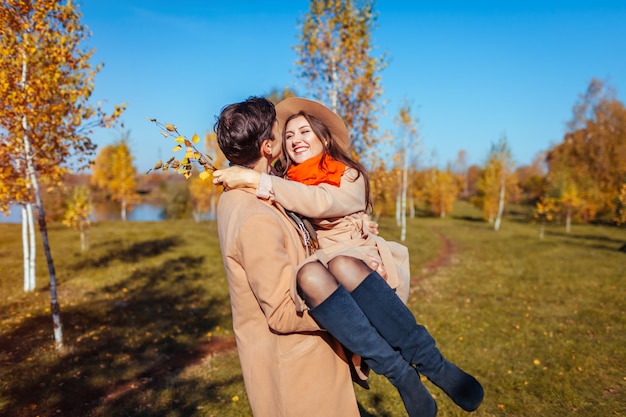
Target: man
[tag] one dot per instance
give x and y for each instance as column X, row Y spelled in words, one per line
column 290, row 366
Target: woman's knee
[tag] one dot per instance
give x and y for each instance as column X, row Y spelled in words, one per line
column 315, row 282
column 349, row 271
column 347, row 265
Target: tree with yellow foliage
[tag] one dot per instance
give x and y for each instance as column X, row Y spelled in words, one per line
column 592, row 154
column 114, row 173
column 382, row 190
column 123, row 184
column 440, row 190
column 46, row 80
column 620, row 216
column 336, row 62
column 496, row 183
column 407, row 148
column 78, row 212
column 545, row 211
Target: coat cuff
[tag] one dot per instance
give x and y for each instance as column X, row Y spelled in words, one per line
column 265, row 189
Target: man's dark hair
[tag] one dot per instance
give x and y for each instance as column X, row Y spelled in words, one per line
column 242, row 127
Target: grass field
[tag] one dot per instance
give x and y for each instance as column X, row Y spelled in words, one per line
column 147, row 327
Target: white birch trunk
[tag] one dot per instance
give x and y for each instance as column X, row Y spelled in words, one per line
column 84, row 236
column 25, row 251
column 500, row 206
column 442, row 206
column 54, row 302
column 33, row 247
column 123, row 210
column 405, row 187
column 568, row 221
column 55, row 308
column 398, row 222
column 83, row 243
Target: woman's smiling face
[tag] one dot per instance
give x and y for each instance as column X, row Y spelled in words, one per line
column 300, row 140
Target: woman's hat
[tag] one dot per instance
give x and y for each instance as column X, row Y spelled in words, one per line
column 335, row 124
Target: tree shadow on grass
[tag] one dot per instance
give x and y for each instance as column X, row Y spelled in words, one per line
column 601, row 242
column 375, row 401
column 130, row 254
column 126, row 346
column 468, row 218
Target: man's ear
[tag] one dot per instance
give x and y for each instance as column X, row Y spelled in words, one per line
column 266, row 147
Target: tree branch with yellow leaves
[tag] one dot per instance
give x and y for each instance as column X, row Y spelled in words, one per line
column 192, row 156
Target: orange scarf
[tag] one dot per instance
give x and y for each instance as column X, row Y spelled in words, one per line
column 309, row 172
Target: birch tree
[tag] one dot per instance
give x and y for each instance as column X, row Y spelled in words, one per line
column 565, row 196
column 114, row 173
column 497, row 181
column 620, row 215
column 544, row 211
column 123, row 184
column 336, row 61
column 460, row 169
column 78, row 212
column 440, row 190
column 407, row 151
column 46, row 79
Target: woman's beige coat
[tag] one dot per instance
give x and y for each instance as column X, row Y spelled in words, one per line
column 290, row 367
column 336, row 213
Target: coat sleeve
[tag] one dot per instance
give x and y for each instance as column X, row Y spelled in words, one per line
column 323, row 200
column 269, row 271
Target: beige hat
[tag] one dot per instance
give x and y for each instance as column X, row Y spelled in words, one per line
column 335, row 124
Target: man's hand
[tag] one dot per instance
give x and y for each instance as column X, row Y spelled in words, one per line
column 369, row 226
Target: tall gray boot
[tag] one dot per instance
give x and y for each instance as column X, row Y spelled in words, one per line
column 395, row 322
column 342, row 317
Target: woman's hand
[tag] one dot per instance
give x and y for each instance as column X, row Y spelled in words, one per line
column 369, row 226
column 237, row 177
column 378, row 267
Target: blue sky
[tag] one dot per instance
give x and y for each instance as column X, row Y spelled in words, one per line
column 473, row 70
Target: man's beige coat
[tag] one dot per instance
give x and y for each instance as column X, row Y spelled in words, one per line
column 290, row 367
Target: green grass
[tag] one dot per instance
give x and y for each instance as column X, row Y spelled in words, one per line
column 147, row 325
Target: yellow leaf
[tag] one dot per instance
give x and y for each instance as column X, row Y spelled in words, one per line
column 170, row 127
column 180, row 139
column 195, row 138
column 177, row 148
column 204, row 175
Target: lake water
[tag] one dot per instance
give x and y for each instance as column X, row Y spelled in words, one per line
column 105, row 211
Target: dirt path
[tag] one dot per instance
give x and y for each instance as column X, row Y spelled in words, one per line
column 444, row 257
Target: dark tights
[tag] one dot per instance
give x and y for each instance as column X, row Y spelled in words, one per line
column 316, row 282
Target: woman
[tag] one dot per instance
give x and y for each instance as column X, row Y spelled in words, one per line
column 354, row 303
